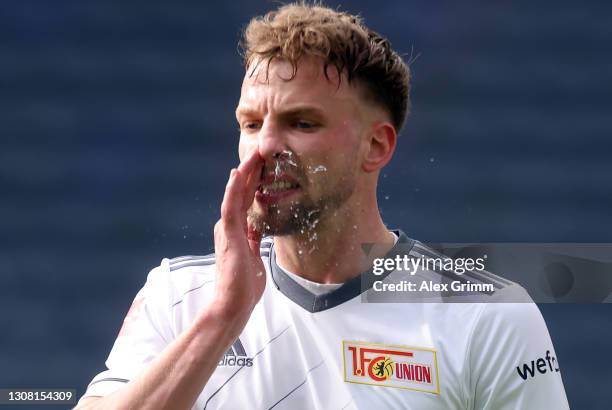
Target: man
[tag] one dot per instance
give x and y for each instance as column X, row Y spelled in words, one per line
column 278, row 322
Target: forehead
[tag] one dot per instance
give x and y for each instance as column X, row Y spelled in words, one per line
column 267, row 85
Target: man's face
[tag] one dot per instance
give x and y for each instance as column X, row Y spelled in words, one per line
column 308, row 131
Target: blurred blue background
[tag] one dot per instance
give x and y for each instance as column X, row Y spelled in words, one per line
column 117, row 135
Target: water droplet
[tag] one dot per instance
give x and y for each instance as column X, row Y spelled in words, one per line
column 354, row 226
column 300, row 252
column 287, row 155
column 387, row 197
column 432, row 159
column 260, row 273
column 314, row 224
column 319, row 168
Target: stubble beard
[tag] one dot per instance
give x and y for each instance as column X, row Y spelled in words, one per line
column 304, row 216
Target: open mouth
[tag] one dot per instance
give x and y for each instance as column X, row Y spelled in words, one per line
column 275, row 190
column 277, row 187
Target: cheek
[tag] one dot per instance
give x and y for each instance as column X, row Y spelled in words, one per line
column 342, row 146
column 335, row 158
column 347, row 136
column 341, row 139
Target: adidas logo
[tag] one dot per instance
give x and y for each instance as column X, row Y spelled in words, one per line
column 236, row 356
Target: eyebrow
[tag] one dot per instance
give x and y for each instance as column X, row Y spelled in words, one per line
column 290, row 112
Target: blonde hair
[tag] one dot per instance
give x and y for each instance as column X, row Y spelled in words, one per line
column 342, row 40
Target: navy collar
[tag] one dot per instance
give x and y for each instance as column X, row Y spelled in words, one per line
column 350, row 289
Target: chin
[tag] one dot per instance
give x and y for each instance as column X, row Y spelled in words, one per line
column 277, row 225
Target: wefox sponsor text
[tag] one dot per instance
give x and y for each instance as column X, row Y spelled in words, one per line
column 541, row 365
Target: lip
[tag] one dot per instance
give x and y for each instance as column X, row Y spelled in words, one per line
column 271, row 177
column 274, row 197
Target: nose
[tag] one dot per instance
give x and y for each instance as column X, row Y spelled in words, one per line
column 271, row 142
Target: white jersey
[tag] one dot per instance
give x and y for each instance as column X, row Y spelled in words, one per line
column 332, row 351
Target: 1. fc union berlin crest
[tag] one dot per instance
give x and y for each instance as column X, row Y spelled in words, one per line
column 398, row 366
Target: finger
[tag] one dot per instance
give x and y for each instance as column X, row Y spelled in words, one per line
column 250, row 169
column 237, row 198
column 232, row 199
column 250, row 161
column 252, row 185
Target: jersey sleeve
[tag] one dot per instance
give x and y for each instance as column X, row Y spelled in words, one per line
column 146, row 331
column 512, row 361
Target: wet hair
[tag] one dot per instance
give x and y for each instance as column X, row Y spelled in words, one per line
column 342, row 41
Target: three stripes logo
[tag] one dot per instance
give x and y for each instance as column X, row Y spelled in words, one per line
column 236, row 356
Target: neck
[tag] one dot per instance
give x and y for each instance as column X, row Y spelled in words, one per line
column 331, row 252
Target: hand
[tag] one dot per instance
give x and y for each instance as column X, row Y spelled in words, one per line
column 241, row 275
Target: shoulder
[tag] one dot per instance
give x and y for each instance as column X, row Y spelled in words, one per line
column 203, row 263
column 200, row 261
column 469, row 277
column 181, row 274
column 512, row 361
column 515, row 325
column 189, row 261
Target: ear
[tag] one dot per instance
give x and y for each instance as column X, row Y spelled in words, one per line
column 380, row 145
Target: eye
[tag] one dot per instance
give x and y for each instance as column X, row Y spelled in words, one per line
column 305, row 125
column 250, row 125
